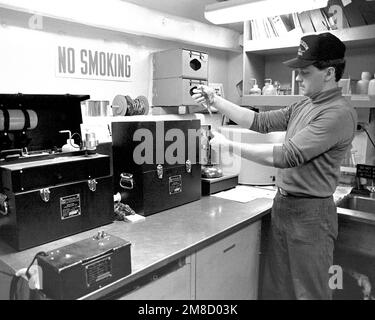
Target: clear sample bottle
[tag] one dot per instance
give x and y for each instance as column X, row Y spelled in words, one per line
column 255, row 90
column 268, row 89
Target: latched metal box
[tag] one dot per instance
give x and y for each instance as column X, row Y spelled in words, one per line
column 77, row 269
column 156, row 162
column 45, row 193
column 53, row 198
column 175, row 91
column 180, row 63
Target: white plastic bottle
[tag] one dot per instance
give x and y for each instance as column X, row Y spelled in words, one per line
column 371, row 87
column 363, row 84
column 70, row 145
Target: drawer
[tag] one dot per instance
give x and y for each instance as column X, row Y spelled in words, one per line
column 174, row 91
column 180, row 63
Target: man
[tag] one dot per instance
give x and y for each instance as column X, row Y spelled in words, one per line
column 319, row 131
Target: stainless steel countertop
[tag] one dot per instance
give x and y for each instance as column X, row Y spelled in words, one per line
column 166, row 236
column 160, row 238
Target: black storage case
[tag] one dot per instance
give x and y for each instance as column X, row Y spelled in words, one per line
column 214, row 185
column 75, row 270
column 148, row 193
column 72, row 207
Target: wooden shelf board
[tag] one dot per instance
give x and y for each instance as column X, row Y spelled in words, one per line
column 361, row 101
column 270, row 101
column 358, row 101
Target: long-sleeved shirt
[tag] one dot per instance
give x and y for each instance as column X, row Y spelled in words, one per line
column 319, row 131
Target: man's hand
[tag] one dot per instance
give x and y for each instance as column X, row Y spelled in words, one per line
column 218, row 140
column 205, row 96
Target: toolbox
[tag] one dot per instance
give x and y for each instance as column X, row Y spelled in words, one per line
column 144, row 174
column 47, row 194
column 82, row 267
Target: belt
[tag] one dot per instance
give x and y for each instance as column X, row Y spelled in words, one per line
column 287, row 194
column 283, row 192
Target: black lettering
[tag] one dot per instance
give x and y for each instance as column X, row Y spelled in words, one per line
column 115, row 60
column 110, row 70
column 71, row 60
column 83, row 61
column 127, row 66
column 102, row 64
column 62, row 59
column 120, row 68
column 93, row 63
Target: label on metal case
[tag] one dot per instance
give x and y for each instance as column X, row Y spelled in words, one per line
column 98, row 271
column 70, row 206
column 175, row 184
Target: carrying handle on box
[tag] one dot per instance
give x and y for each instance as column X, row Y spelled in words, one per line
column 10, row 154
column 126, row 181
column 4, row 205
column 196, row 53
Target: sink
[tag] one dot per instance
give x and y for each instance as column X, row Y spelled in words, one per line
column 358, row 203
column 356, row 222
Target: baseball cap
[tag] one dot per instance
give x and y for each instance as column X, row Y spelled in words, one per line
column 317, row 47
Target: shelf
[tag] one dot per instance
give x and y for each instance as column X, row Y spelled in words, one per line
column 361, row 100
column 357, row 36
column 270, row 101
column 356, row 100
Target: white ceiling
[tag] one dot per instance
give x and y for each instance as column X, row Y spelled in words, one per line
column 191, row 9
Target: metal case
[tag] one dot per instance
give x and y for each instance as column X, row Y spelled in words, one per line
column 46, row 194
column 180, row 63
column 54, row 198
column 82, row 267
column 152, row 186
column 175, row 91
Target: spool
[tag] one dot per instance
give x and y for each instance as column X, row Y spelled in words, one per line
column 126, row 106
column 144, row 102
column 119, row 105
column 17, row 119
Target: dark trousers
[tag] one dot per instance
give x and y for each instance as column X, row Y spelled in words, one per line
column 300, row 248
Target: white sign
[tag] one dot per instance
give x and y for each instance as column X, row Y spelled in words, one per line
column 88, row 63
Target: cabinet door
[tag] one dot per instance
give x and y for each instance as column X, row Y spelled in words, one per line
column 173, row 284
column 229, row 268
